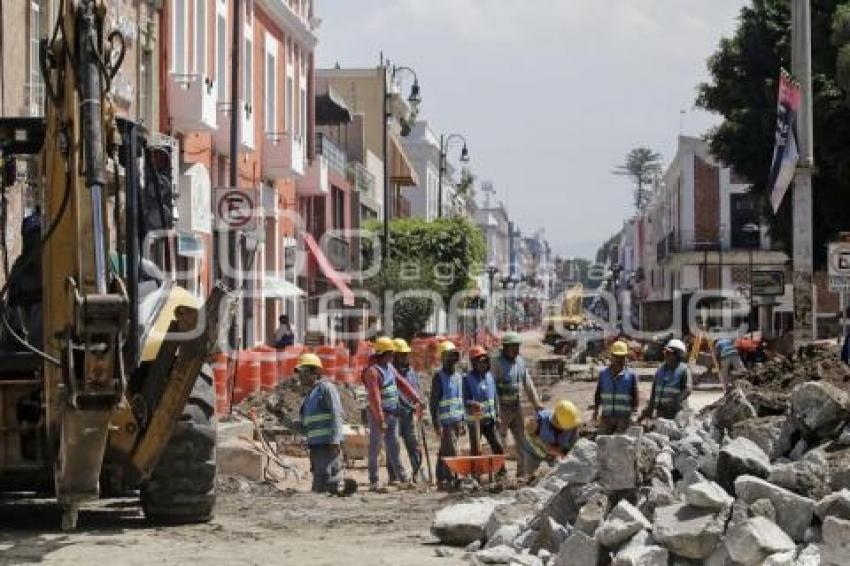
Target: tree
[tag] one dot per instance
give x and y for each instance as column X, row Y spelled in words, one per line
column 643, row 166
column 743, row 88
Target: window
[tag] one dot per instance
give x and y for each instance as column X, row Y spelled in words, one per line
column 290, row 110
column 271, row 84
column 338, row 210
column 249, row 72
column 303, row 114
column 34, row 92
column 179, row 51
column 221, row 52
column 145, row 90
column 201, row 37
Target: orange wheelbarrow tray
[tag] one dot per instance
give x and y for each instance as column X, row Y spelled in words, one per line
column 479, row 465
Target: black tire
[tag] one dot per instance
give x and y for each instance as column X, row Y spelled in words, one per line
column 182, row 486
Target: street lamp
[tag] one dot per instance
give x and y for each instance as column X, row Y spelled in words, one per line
column 445, row 141
column 492, row 270
column 414, row 99
column 752, row 229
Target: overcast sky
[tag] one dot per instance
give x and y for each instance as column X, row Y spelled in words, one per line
column 550, row 94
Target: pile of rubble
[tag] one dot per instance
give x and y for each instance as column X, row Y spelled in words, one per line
column 744, row 484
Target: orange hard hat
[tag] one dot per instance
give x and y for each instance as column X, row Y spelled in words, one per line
column 477, row 352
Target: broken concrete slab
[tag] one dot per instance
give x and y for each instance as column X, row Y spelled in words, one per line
column 806, row 477
column 578, row 549
column 617, row 461
column 622, row 523
column 506, row 534
column 750, row 542
column 668, row 428
column 592, row 513
column 688, row 531
column 550, row 536
column 780, row 559
column 808, row 556
column 740, row 456
column 835, row 504
column 763, row 508
column 243, row 458
column 508, row 513
column 707, row 495
column 581, row 465
column 641, row 550
column 463, row 523
column 793, row 512
column 821, row 407
column 773, row 434
column 228, row 430
column 503, row 554
column 835, row 549
column 733, row 407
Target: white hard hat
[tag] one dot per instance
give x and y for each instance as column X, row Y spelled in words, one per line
column 676, row 344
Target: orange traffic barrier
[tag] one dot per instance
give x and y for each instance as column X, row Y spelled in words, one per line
column 268, row 367
column 222, row 384
column 247, row 375
column 328, row 355
column 290, row 357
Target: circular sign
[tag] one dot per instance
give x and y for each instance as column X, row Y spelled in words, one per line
column 235, row 209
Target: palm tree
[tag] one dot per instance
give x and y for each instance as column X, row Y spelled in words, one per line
column 643, row 166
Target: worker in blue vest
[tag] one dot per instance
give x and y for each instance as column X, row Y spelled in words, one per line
column 407, row 416
column 382, row 392
column 549, row 435
column 730, row 360
column 511, row 376
column 616, row 395
column 482, row 403
column 322, row 421
column 447, row 413
column 672, row 385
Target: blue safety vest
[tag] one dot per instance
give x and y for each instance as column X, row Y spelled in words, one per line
column 509, row 376
column 389, row 392
column 451, row 401
column 480, row 389
column 726, row 348
column 548, row 436
column 669, row 384
column 413, row 380
column 616, row 394
column 319, row 422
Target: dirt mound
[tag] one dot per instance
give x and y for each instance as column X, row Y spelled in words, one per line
column 813, row 363
column 283, row 404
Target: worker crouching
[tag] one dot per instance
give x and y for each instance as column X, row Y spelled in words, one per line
column 616, row 397
column 549, row 435
column 672, row 385
column 446, row 404
column 322, row 421
column 482, row 404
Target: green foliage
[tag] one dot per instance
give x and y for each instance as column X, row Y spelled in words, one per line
column 743, row 89
column 410, row 314
column 643, row 166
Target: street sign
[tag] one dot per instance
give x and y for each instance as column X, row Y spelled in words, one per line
column 839, row 266
column 768, row 283
column 236, row 209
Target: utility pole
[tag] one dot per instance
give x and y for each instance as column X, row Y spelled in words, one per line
column 234, row 282
column 801, row 68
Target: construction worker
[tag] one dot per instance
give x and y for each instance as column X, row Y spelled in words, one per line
column 549, row 435
column 322, row 421
column 446, row 404
column 382, row 391
column 730, row 360
column 407, row 407
column 511, row 375
column 672, row 385
column 616, row 393
column 482, row 403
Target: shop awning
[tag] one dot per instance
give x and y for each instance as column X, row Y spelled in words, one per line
column 402, row 171
column 279, row 288
column 339, row 280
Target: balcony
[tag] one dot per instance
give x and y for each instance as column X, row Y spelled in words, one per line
column 338, row 252
column 336, row 158
column 283, row 155
column 246, row 127
column 315, row 181
column 361, row 179
column 191, row 101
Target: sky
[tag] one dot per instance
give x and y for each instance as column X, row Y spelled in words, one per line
column 550, row 94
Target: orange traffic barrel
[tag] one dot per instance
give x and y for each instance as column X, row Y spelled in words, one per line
column 222, row 385
column 268, row 367
column 290, row 359
column 328, row 355
column 248, row 376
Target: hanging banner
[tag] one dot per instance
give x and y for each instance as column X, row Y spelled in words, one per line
column 785, row 154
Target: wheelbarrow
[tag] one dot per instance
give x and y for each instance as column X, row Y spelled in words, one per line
column 469, row 466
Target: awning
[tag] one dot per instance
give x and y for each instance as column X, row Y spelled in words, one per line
column 401, row 170
column 279, row 288
column 331, row 109
column 340, row 281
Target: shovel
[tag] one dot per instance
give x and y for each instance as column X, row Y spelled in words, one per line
column 427, row 453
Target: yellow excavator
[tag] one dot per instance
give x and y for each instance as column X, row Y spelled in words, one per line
column 104, row 379
column 568, row 328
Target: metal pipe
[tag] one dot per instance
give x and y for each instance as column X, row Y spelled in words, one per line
column 385, row 245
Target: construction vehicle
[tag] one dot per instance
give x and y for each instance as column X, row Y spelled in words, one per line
column 104, row 383
column 569, row 328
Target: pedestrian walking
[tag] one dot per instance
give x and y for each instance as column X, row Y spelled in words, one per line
column 322, row 420
column 482, row 403
column 672, row 385
column 446, row 404
column 382, row 391
column 549, row 435
column 730, row 360
column 616, row 396
column 511, row 376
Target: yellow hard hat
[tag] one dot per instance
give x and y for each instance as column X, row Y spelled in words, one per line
column 445, row 347
column 401, row 346
column 384, row 344
column 619, row 348
column 567, row 415
column 309, row 360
